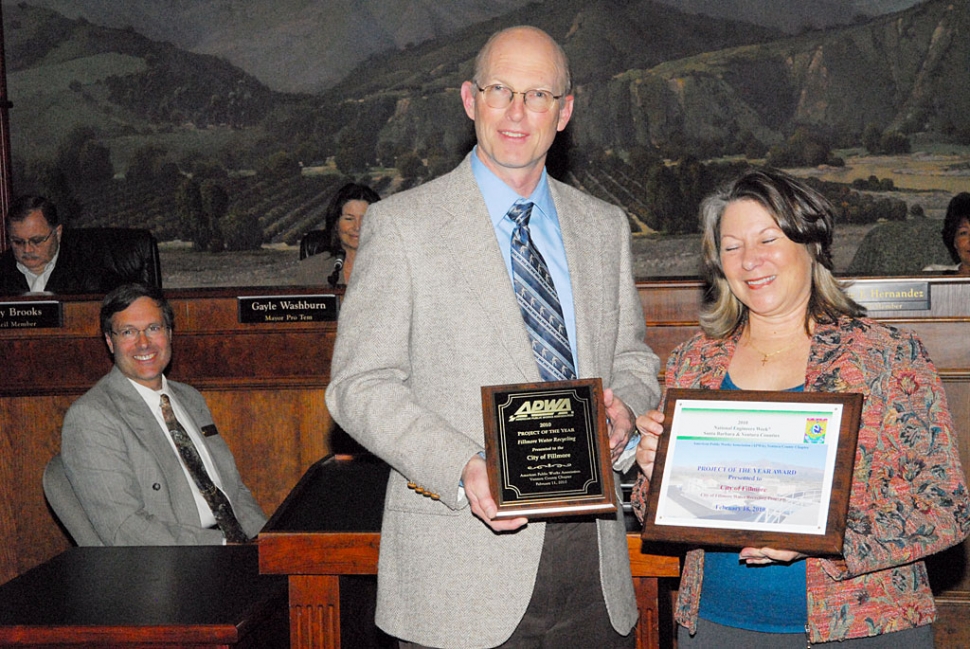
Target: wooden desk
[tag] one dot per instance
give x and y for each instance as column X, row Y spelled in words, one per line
column 329, row 526
column 162, row 597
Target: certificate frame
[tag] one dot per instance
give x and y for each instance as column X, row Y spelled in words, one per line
column 547, row 449
column 787, row 497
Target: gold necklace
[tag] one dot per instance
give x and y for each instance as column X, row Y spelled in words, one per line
column 765, row 356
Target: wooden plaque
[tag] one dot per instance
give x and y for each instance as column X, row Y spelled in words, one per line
column 741, row 468
column 547, row 449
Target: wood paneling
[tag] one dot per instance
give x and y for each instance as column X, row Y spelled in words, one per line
column 274, row 436
column 29, row 435
column 265, row 384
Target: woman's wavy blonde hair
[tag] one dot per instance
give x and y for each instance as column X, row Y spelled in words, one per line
column 804, row 215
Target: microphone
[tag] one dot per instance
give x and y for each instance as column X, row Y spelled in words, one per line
column 334, row 278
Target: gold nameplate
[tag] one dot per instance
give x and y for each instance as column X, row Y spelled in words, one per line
column 547, row 449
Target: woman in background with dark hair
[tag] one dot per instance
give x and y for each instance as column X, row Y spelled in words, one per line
column 956, row 233
column 342, row 222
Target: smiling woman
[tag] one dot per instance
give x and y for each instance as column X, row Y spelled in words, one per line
column 341, row 235
column 779, row 320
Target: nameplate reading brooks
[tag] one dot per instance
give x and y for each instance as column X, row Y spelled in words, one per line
column 547, row 449
column 30, row 315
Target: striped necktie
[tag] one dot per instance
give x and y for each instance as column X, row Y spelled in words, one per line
column 537, row 298
column 217, row 501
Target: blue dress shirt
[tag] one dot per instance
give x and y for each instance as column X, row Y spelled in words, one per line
column 544, row 229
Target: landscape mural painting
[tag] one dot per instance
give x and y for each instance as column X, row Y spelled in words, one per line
column 225, row 127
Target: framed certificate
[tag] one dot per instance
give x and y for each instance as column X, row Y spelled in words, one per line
column 742, row 468
column 547, row 449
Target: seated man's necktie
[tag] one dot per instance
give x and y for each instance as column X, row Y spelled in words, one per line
column 217, row 501
column 537, row 298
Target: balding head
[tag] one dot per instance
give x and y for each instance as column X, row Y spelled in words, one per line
column 519, row 34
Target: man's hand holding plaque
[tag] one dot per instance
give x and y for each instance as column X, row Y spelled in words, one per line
column 476, row 484
column 547, row 451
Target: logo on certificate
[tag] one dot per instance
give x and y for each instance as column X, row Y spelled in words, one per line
column 815, row 430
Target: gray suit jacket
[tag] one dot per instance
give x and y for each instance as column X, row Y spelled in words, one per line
column 130, row 481
column 430, row 317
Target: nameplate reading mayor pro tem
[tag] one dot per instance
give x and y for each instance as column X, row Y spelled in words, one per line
column 547, row 449
column 283, row 309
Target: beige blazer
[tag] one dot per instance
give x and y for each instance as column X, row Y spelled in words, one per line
column 428, row 318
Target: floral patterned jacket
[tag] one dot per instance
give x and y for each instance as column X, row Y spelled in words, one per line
column 908, row 496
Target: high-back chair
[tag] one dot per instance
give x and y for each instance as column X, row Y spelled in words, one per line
column 900, row 248
column 312, row 243
column 118, row 255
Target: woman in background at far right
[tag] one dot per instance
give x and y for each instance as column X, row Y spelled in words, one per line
column 956, row 233
column 779, row 320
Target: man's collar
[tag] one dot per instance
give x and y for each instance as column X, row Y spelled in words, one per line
column 499, row 197
column 147, row 392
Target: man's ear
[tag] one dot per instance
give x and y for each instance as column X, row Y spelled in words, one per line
column 469, row 93
column 565, row 112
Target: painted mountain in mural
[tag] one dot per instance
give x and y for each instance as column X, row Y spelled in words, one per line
column 639, row 85
column 289, row 45
column 793, row 17
column 129, row 118
column 900, row 73
column 308, row 45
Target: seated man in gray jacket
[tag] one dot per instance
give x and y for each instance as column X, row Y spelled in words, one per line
column 142, row 452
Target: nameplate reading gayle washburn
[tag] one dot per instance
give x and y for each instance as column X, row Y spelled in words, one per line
column 283, row 309
column 30, row 315
column 891, row 295
column 547, row 449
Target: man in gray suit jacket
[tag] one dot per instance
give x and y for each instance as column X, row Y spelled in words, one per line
column 118, row 453
column 430, row 316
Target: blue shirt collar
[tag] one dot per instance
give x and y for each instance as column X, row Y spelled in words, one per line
column 499, row 197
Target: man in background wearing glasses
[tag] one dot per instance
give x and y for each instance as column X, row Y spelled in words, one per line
column 119, row 453
column 34, row 235
column 435, row 310
column 43, row 258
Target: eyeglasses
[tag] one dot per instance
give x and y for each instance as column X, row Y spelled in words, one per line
column 35, row 242
column 499, row 96
column 131, row 334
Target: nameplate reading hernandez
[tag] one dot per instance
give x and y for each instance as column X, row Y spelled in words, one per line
column 891, row 295
column 547, row 449
column 287, row 309
column 30, row 315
